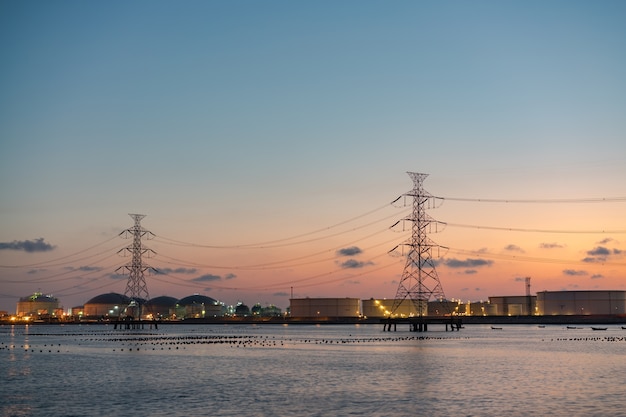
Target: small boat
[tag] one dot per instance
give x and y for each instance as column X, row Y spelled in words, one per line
column 623, row 328
column 598, row 328
column 541, row 326
column 496, row 328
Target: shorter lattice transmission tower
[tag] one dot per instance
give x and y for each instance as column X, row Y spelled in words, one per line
column 136, row 287
column 419, row 282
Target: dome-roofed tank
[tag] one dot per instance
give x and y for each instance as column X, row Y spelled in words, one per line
column 109, row 298
column 37, row 304
column 106, row 305
column 161, row 307
column 198, row 306
column 196, row 299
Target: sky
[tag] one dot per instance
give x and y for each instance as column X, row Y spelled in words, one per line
column 265, row 142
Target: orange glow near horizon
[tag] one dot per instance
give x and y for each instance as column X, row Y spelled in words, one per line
column 352, row 259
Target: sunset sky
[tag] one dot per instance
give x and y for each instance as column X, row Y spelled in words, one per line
column 265, row 141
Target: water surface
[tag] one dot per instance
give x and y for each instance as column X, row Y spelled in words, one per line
column 308, row 370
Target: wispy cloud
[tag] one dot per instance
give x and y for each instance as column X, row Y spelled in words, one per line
column 605, row 241
column 117, row 276
column 89, row 268
column 354, row 264
column 351, row 251
column 212, row 277
column 550, row 245
column 177, row 271
column 467, row 263
column 574, row 273
column 513, row 248
column 599, row 251
column 207, row 277
column 37, row 245
column 601, row 254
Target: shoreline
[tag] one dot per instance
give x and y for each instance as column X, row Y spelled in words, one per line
column 539, row 320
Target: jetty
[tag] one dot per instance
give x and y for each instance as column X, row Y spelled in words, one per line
column 420, row 324
column 132, row 324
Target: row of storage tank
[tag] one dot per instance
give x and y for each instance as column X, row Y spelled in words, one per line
column 548, row 303
column 114, row 305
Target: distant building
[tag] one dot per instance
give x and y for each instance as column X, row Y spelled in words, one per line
column 325, row 307
column 242, row 310
column 198, row 306
column 37, row 304
column 78, row 311
column 581, row 303
column 374, row 308
column 442, row 308
column 476, row 308
column 111, row 305
column 513, row 305
column 161, row 307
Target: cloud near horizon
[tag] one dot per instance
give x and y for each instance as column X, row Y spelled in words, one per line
column 181, row 270
column 37, row 245
column 211, row 277
column 601, row 254
column 514, row 248
column 354, row 264
column 351, row 251
column 574, row 273
column 115, row 275
column 467, row 263
column 84, row 268
column 550, row 245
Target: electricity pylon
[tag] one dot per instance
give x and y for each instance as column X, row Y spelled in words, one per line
column 136, row 288
column 419, row 281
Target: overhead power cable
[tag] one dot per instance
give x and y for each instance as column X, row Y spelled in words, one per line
column 272, row 265
column 288, row 240
column 547, row 201
column 80, row 270
column 54, row 262
column 521, row 258
column 86, row 290
column 325, row 274
column 283, row 284
column 518, row 229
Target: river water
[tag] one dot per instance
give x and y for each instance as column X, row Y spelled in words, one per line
column 309, row 370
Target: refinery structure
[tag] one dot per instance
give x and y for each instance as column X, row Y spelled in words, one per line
column 419, row 292
column 113, row 306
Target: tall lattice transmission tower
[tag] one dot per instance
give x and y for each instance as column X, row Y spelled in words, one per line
column 419, row 281
column 136, row 287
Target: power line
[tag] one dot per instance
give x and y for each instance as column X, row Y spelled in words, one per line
column 518, row 229
column 542, row 201
column 350, row 277
column 488, row 255
column 276, row 243
column 51, row 261
column 277, row 264
column 49, row 278
column 85, row 290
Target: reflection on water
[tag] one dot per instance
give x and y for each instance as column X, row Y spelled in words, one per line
column 181, row 370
